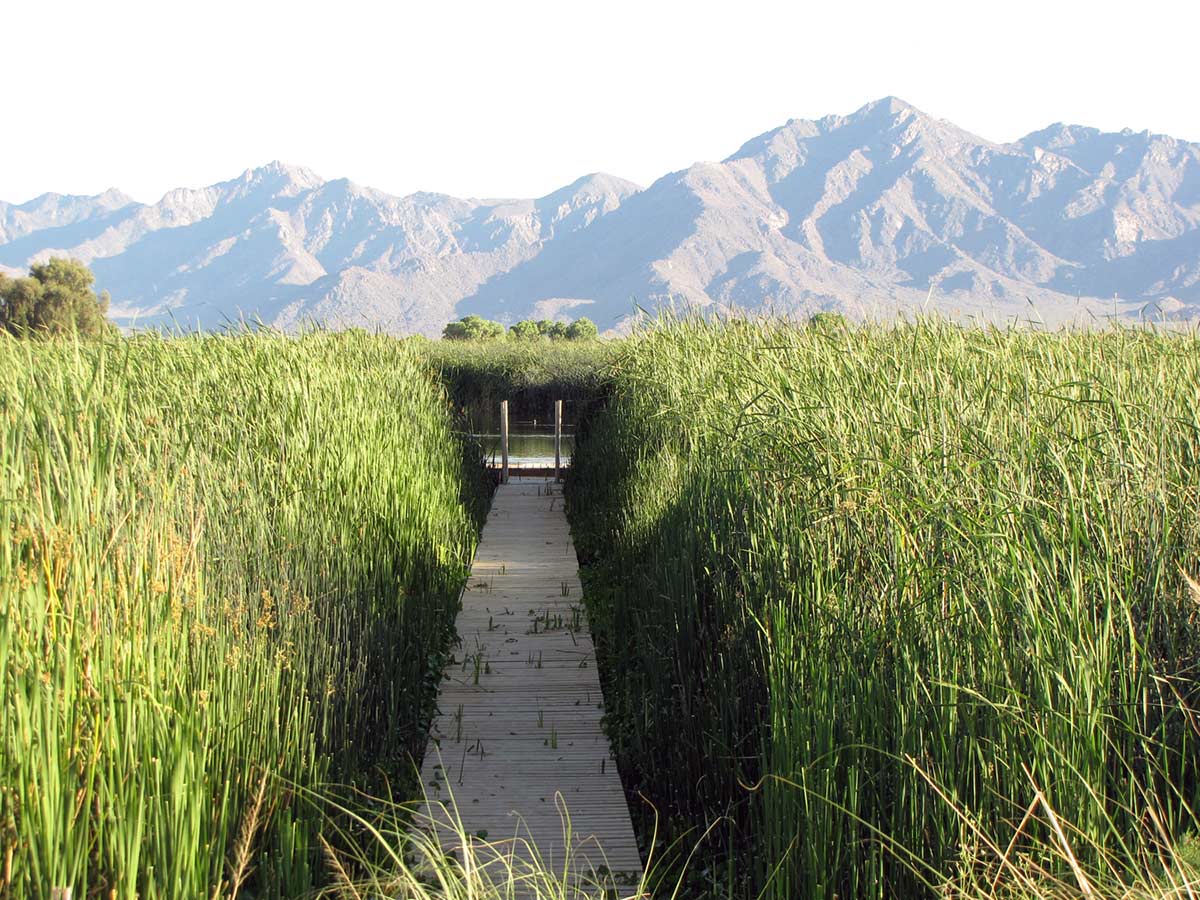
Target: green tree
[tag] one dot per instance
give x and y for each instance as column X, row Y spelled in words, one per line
column 554, row 330
column 473, row 328
column 525, row 330
column 582, row 329
column 55, row 299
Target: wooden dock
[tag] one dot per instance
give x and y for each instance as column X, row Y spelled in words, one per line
column 518, row 737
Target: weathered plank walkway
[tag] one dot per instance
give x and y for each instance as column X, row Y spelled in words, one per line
column 520, row 705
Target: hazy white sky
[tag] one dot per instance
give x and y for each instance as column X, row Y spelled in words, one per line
column 519, row 98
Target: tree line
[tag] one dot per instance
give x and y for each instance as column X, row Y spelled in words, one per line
column 477, row 328
column 57, row 298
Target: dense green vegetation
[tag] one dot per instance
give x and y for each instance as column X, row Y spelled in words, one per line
column 477, row 328
column 473, row 328
column 228, row 568
column 906, row 611
column 909, row 606
column 56, row 299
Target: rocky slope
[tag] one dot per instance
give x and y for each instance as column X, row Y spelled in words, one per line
column 883, row 210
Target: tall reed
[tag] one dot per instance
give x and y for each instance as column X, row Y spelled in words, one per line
column 869, row 592
column 227, row 568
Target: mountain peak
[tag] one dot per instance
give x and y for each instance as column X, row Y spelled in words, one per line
column 115, row 195
column 279, row 174
column 889, row 105
column 887, row 122
column 108, row 200
column 595, row 184
column 113, row 199
column 1057, row 135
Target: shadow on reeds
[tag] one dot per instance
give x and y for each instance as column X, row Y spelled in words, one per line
column 901, row 580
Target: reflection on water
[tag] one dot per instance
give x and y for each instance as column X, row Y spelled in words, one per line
column 527, row 449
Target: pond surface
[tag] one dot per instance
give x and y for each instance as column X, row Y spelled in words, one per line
column 535, row 449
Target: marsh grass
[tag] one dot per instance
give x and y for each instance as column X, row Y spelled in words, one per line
column 423, row 851
column 227, row 564
column 880, row 612
column 889, row 584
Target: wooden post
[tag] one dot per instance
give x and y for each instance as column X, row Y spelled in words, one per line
column 557, row 438
column 504, row 442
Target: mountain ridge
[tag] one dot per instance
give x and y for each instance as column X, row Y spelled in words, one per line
column 877, row 212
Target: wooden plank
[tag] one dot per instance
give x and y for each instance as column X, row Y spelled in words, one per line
column 518, row 744
column 557, row 439
column 504, row 441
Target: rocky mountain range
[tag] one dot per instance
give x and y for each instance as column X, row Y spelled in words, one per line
column 884, row 210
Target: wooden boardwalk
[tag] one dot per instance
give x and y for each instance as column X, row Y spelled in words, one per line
column 518, row 733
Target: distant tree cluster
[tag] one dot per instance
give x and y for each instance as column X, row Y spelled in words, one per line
column 55, row 299
column 476, row 328
column 582, row 329
column 473, row 328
